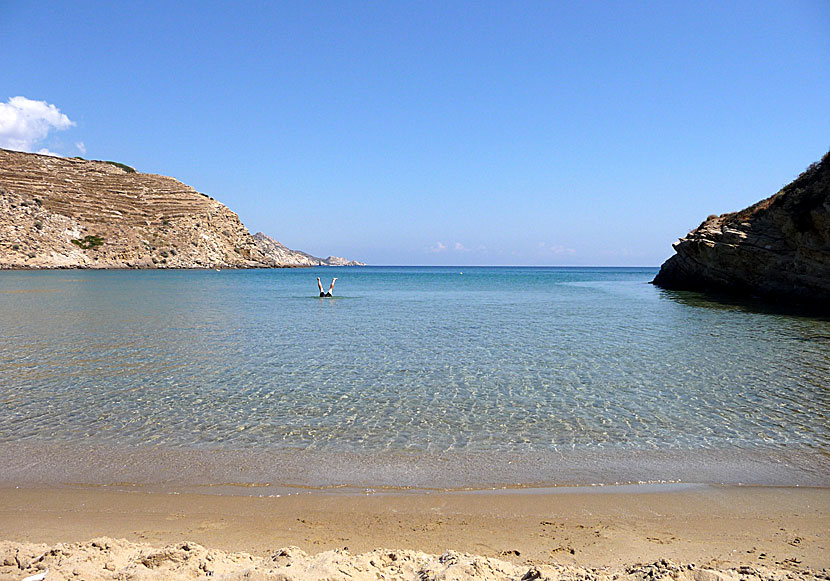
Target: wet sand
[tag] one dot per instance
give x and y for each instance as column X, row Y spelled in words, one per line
column 770, row 530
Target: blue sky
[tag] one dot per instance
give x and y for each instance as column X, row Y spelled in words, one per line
column 549, row 133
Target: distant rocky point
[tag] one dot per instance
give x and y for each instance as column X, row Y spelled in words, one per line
column 777, row 249
column 74, row 213
column 281, row 254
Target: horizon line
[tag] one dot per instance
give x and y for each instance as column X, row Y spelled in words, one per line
column 495, row 265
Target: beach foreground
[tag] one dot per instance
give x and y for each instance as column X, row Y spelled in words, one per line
column 691, row 532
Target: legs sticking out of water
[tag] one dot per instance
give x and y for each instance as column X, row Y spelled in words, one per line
column 328, row 292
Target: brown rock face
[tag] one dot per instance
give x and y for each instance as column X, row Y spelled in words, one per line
column 72, row 213
column 777, row 249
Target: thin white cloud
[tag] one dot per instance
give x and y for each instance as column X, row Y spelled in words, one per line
column 81, row 147
column 559, row 249
column 455, row 247
column 556, row 248
column 24, row 123
column 44, row 151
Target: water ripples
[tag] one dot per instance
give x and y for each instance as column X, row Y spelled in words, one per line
column 499, row 360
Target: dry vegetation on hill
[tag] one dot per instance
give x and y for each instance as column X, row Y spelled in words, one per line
column 73, row 213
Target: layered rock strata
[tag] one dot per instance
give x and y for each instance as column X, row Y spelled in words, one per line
column 59, row 212
column 74, row 213
column 777, row 249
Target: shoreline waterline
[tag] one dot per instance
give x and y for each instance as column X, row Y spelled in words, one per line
column 252, row 472
column 547, row 417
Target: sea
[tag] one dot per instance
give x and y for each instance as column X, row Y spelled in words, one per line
column 408, row 378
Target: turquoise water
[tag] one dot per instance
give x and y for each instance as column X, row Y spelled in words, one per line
column 409, row 375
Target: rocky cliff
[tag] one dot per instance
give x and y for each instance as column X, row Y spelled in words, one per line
column 777, row 249
column 73, row 213
column 281, row 254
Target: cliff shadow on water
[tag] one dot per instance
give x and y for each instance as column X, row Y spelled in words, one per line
column 726, row 301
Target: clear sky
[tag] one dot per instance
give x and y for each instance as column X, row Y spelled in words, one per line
column 532, row 133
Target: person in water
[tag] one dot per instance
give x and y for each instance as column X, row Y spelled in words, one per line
column 328, row 292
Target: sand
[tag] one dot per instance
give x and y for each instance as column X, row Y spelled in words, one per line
column 699, row 532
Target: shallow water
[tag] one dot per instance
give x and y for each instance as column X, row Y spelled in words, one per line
column 409, row 365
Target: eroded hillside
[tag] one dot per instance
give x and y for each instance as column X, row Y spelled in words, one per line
column 58, row 212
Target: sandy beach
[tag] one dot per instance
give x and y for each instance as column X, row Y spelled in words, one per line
column 645, row 531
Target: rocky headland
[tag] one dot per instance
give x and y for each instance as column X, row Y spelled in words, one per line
column 281, row 254
column 777, row 249
column 75, row 213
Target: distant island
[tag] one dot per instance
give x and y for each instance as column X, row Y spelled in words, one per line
column 74, row 213
column 776, row 250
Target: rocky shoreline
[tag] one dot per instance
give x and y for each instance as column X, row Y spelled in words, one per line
column 777, row 250
column 284, row 256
